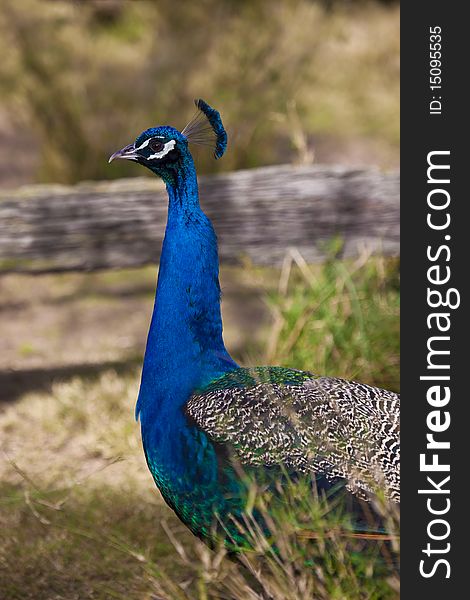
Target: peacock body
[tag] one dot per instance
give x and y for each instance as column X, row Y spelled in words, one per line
column 203, row 416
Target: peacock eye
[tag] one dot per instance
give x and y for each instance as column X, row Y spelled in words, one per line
column 156, row 145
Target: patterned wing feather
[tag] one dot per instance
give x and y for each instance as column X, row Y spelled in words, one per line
column 340, row 429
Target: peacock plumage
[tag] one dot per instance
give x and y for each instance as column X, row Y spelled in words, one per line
column 202, row 415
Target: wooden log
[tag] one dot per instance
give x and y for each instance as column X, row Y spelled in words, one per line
column 257, row 213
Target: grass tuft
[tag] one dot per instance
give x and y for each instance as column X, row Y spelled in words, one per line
column 338, row 319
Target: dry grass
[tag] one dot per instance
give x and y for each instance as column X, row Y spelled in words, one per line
column 309, row 552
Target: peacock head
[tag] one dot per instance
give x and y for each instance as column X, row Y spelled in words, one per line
column 164, row 150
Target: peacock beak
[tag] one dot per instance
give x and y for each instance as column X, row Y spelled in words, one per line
column 128, row 152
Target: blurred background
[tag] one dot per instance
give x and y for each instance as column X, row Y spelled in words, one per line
column 298, row 82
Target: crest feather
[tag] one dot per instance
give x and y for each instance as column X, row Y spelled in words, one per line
column 206, row 128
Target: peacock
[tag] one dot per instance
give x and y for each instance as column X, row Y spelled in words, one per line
column 206, row 421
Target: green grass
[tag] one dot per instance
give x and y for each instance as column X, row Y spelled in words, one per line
column 340, row 319
column 79, row 514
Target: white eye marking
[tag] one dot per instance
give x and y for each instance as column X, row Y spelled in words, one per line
column 143, row 145
column 147, row 142
column 168, row 147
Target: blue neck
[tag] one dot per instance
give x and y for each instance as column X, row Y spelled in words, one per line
column 185, row 348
